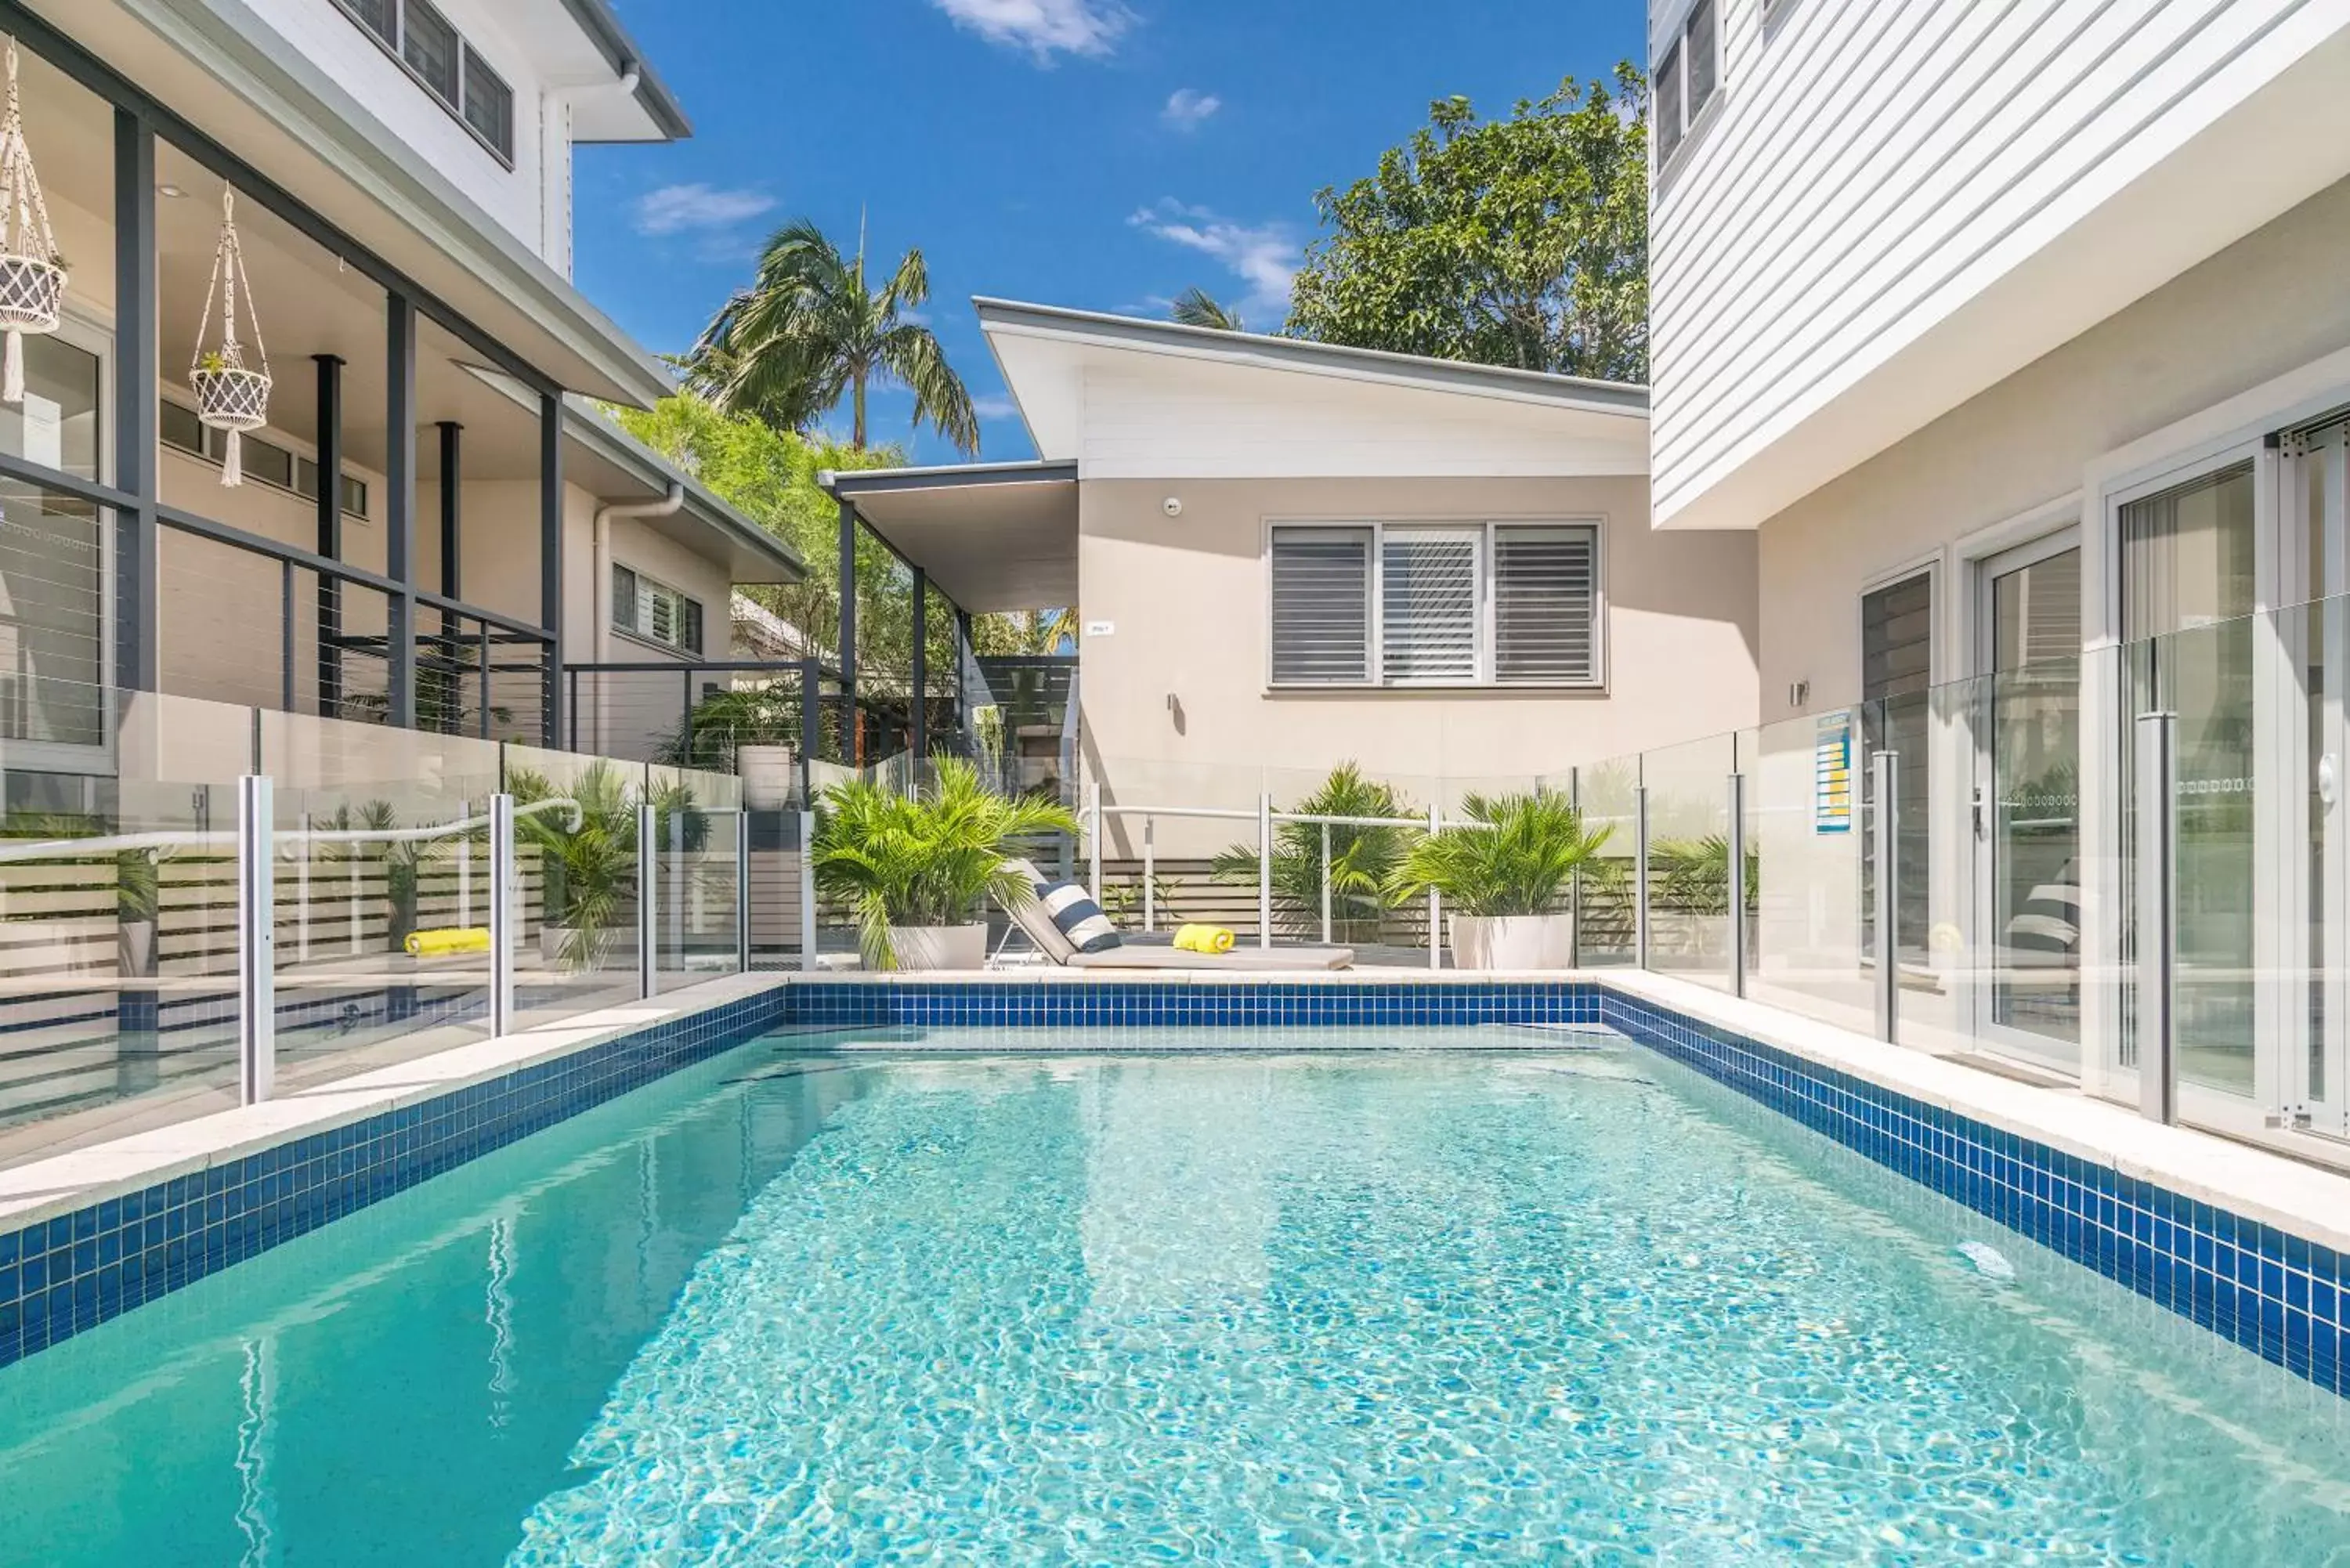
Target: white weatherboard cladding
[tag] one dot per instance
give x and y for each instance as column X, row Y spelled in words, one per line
column 324, row 33
column 1170, row 419
column 1878, row 169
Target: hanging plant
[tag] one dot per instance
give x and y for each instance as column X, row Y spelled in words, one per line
column 231, row 395
column 32, row 273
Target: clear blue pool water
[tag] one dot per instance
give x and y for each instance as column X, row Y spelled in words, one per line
column 1570, row 1303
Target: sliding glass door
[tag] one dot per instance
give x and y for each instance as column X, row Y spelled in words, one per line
column 2027, row 814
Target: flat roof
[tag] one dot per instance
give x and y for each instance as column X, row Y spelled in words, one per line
column 991, row 535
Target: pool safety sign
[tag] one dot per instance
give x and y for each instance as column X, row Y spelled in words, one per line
column 1832, row 774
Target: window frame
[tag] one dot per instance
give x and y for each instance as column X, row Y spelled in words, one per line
column 467, row 56
column 208, row 448
column 1673, row 60
column 645, row 589
column 1487, row 678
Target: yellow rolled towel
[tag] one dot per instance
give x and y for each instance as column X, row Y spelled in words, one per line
column 449, row 939
column 1204, row 940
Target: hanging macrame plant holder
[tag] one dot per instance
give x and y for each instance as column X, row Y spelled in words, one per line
column 231, row 394
column 32, row 273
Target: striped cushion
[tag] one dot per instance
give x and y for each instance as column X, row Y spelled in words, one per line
column 1078, row 917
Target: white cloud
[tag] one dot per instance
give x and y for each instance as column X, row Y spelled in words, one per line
column 1188, row 108
column 1263, row 256
column 995, row 407
column 1043, row 27
column 674, row 209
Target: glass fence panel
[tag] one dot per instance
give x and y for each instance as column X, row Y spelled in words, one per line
column 697, row 827
column 118, row 913
column 1689, row 857
column 382, row 889
column 576, row 838
column 1177, row 846
column 1365, row 855
column 1606, row 924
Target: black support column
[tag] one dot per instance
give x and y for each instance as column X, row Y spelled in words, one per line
column 137, row 551
column 550, row 557
column 963, row 656
column 919, row 742
column 848, row 747
column 330, row 532
column 399, row 506
column 446, row 651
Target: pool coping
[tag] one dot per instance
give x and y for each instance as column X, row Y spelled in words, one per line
column 40, row 1189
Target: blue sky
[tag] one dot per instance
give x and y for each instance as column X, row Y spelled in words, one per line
column 1098, row 153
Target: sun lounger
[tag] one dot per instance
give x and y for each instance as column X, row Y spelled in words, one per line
column 1133, row 953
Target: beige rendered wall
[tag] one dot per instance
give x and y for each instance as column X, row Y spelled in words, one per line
column 1188, row 598
column 2266, row 306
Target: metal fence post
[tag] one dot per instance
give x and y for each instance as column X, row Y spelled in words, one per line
column 808, row 892
column 1149, row 876
column 1435, row 898
column 2157, row 915
column 1574, row 882
column 256, row 942
column 1093, row 838
column 1885, row 769
column 1640, row 876
column 1326, row 939
column 505, row 927
column 648, row 902
column 1736, row 872
column 741, row 892
column 1264, row 870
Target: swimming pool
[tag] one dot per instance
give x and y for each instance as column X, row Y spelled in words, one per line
column 1571, row 1301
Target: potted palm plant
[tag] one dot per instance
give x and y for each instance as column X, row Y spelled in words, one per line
column 915, row 866
column 1503, row 874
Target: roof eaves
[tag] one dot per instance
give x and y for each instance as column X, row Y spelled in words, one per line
column 596, row 19
column 845, row 481
column 1298, row 354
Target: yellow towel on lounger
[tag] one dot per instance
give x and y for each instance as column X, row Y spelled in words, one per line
column 448, row 940
column 1204, row 940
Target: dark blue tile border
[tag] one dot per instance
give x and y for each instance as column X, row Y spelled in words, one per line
column 1011, row 1002
column 2278, row 1295
column 2284, row 1298
column 73, row 1272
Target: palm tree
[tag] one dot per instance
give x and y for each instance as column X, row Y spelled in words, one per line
column 808, row 331
column 1195, row 307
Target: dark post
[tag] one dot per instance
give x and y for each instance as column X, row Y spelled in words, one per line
column 330, row 532
column 137, row 555
column 445, row 648
column 811, row 728
column 919, row 741
column 963, row 671
column 550, row 553
column 848, row 747
column 399, row 507
column 138, row 569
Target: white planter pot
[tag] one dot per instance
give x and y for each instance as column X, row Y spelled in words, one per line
column 1513, row 942
column 940, row 947
column 767, row 776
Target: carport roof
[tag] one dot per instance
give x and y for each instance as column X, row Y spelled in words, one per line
column 992, row 535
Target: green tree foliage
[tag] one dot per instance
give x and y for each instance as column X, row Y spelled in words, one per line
column 809, row 331
column 1195, row 307
column 1519, row 241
